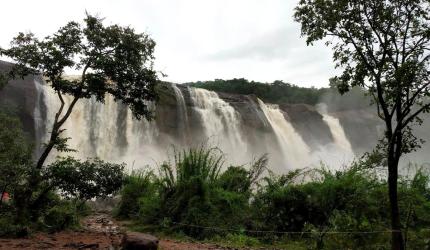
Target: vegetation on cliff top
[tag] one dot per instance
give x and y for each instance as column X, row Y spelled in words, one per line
column 276, row 92
column 279, row 92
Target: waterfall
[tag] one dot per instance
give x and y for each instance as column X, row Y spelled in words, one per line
column 39, row 119
column 95, row 130
column 243, row 131
column 338, row 134
column 340, row 153
column 293, row 149
column 181, row 113
column 221, row 123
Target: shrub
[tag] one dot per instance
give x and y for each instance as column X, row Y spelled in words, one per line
column 137, row 185
column 60, row 217
column 193, row 191
column 194, row 197
column 33, row 198
column 85, row 180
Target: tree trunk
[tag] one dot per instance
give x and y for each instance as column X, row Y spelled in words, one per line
column 396, row 235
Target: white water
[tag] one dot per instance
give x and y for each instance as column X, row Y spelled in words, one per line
column 340, row 152
column 221, row 123
column 95, row 130
column 109, row 131
column 182, row 113
column 294, row 150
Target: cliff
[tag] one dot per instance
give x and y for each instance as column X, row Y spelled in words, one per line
column 186, row 117
column 20, row 96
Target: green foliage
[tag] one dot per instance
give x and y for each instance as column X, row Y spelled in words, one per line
column 9, row 229
column 191, row 192
column 236, row 207
column 38, row 204
column 381, row 54
column 85, row 180
column 277, row 92
column 381, row 46
column 64, row 214
column 114, row 60
column 239, row 240
column 15, row 152
column 138, row 187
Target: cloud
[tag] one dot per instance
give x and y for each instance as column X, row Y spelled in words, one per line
column 196, row 40
column 269, row 46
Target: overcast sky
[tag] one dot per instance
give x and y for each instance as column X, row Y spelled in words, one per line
column 196, row 39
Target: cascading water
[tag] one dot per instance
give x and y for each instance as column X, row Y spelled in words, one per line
column 39, row 120
column 94, row 130
column 221, row 123
column 338, row 133
column 340, row 152
column 181, row 113
column 293, row 149
column 109, row 131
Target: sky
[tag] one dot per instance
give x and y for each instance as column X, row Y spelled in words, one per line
column 196, row 39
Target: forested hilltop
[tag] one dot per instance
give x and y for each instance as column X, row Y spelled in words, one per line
column 279, row 92
column 275, row 92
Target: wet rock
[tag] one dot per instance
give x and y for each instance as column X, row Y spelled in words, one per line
column 140, row 241
column 20, row 95
column 309, row 123
column 361, row 128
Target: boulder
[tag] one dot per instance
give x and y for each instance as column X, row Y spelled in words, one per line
column 140, row 241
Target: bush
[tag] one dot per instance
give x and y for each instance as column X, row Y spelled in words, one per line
column 8, row 227
column 85, row 180
column 194, row 197
column 191, row 192
column 60, row 217
column 137, row 186
column 33, row 200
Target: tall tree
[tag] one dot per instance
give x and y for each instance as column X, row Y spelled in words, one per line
column 113, row 60
column 383, row 46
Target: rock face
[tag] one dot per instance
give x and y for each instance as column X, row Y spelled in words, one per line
column 362, row 128
column 20, row 96
column 247, row 106
column 308, row 123
column 108, row 131
column 139, row 241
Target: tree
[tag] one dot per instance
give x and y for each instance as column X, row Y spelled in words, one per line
column 382, row 46
column 113, row 60
column 15, row 154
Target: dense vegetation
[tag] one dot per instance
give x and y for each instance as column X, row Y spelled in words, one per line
column 113, row 60
column 194, row 196
column 280, row 92
column 77, row 181
column 381, row 46
column 277, row 92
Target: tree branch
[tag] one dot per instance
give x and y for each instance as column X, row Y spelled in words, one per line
column 414, row 115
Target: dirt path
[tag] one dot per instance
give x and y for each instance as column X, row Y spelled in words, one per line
column 167, row 244
column 99, row 231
